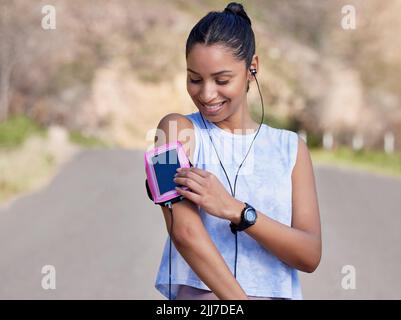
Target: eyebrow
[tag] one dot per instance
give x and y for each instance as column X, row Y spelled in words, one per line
column 213, row 74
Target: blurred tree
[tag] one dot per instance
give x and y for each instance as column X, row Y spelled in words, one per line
column 16, row 32
column 8, row 44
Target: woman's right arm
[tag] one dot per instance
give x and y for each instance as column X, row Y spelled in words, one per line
column 189, row 234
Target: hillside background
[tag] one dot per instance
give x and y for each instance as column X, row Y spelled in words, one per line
column 112, row 69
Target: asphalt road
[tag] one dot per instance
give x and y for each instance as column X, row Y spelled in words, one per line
column 95, row 225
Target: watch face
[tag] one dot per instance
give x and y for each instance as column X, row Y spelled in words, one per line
column 250, row 215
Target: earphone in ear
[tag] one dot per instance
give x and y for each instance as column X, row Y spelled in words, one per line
column 253, row 71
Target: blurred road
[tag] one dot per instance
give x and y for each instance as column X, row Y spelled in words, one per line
column 96, row 226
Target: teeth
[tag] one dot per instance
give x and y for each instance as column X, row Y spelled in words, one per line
column 214, row 107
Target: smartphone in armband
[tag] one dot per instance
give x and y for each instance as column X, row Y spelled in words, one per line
column 161, row 164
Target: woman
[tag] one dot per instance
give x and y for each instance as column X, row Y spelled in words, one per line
column 250, row 219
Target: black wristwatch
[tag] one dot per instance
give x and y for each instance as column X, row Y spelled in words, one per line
column 248, row 218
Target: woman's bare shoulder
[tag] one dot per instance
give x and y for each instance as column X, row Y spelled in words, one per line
column 173, row 127
column 169, row 120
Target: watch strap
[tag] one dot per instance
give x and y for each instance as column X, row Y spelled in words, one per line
column 243, row 224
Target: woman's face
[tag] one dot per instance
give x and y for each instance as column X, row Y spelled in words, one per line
column 216, row 81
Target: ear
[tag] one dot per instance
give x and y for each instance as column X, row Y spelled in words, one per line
column 254, row 65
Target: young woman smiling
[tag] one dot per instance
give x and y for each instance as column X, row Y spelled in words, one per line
column 246, row 241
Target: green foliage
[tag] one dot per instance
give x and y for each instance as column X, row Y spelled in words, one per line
column 273, row 120
column 375, row 161
column 15, row 130
column 278, row 122
column 315, row 140
column 85, row 141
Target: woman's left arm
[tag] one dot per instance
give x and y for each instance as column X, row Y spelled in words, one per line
column 300, row 246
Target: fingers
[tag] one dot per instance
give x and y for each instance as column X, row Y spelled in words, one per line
column 191, row 175
column 193, row 178
column 200, row 172
column 195, row 198
column 190, row 183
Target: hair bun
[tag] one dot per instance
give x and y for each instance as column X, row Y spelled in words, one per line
column 237, row 9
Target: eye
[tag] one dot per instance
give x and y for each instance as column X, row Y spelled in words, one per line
column 194, row 81
column 222, row 83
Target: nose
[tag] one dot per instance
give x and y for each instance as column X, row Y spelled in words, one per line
column 208, row 93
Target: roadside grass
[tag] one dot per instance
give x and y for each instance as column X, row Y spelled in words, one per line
column 28, row 159
column 15, row 130
column 368, row 160
column 27, row 162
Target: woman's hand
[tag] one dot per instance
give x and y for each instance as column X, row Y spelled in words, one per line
column 205, row 190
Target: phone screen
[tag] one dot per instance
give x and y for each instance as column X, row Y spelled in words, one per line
column 165, row 165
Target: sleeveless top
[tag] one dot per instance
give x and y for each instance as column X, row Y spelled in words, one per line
column 264, row 181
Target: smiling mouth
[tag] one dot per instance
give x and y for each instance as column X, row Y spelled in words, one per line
column 214, row 107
